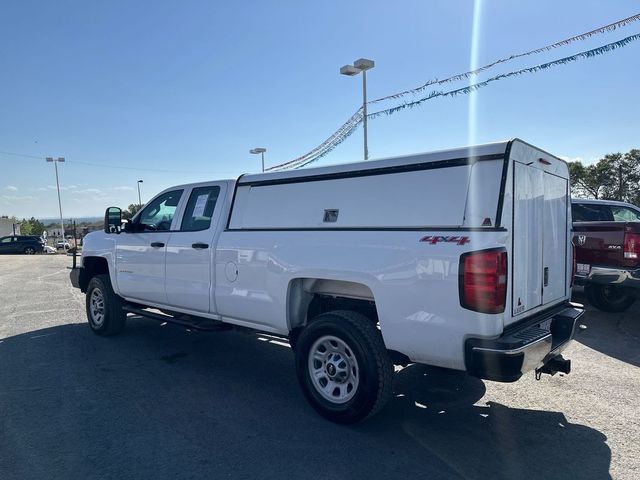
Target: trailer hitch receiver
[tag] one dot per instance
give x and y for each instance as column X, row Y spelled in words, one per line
column 553, row 366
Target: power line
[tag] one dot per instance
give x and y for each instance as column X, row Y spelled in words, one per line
column 25, row 155
column 120, row 167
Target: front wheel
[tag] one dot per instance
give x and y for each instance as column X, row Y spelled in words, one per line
column 104, row 307
column 29, row 251
column 609, row 298
column 343, row 366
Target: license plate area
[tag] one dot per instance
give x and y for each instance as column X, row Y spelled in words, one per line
column 583, row 269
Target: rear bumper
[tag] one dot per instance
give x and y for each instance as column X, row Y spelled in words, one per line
column 524, row 348
column 611, row 276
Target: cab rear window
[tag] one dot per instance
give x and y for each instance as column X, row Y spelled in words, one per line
column 586, row 212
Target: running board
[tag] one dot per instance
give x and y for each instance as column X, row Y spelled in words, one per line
column 206, row 325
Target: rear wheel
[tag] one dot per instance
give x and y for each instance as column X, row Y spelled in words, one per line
column 104, row 307
column 343, row 366
column 29, row 251
column 610, row 298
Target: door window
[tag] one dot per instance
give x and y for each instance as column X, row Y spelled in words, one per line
column 200, row 208
column 6, row 240
column 624, row 214
column 159, row 213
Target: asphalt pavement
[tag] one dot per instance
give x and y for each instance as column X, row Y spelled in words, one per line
column 162, row 402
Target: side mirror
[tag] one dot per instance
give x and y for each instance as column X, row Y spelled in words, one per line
column 112, row 220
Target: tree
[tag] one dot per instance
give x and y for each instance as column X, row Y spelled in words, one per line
column 131, row 211
column 31, row 227
column 37, row 227
column 26, row 227
column 615, row 176
column 633, row 158
column 588, row 181
column 624, row 177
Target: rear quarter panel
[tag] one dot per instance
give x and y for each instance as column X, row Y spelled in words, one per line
column 414, row 283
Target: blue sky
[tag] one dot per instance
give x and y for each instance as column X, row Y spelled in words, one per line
column 182, row 90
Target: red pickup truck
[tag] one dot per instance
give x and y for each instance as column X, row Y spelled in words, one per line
column 606, row 235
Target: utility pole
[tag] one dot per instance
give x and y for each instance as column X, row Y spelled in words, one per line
column 55, row 163
column 620, row 181
column 139, row 198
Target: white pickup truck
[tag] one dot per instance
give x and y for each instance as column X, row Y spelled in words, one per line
column 460, row 259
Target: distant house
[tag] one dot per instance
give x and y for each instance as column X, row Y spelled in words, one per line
column 54, row 232
column 7, row 227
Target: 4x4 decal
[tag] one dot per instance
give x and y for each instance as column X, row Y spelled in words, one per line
column 434, row 239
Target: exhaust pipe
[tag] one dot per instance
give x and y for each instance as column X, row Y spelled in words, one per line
column 553, row 366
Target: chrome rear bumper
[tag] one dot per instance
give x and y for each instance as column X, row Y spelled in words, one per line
column 611, row 276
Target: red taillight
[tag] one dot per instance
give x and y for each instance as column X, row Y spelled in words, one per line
column 483, row 280
column 631, row 246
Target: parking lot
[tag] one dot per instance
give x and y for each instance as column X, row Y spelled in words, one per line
column 163, row 402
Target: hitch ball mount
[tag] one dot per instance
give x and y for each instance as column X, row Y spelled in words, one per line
column 553, row 366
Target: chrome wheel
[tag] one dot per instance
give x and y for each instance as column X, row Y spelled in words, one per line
column 333, row 369
column 96, row 307
column 29, row 250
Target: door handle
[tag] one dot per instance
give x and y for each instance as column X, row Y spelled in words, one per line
column 157, row 244
column 200, row 245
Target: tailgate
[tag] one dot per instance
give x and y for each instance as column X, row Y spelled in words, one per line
column 540, row 238
column 598, row 243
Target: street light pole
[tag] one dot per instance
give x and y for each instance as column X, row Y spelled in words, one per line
column 364, row 112
column 261, row 151
column 361, row 66
column 139, row 197
column 55, row 164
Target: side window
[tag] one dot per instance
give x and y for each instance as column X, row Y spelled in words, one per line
column 200, row 208
column 587, row 212
column 624, row 214
column 158, row 214
column 6, row 240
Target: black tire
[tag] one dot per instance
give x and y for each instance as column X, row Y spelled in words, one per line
column 29, row 251
column 609, row 298
column 372, row 382
column 109, row 318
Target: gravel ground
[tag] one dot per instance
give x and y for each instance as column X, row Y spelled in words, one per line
column 161, row 402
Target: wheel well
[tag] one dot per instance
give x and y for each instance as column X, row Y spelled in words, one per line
column 92, row 266
column 309, row 297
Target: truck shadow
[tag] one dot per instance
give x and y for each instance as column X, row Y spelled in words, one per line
column 162, row 402
column 442, row 410
column 614, row 334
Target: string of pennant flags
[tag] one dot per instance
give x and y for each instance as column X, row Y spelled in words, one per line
column 462, row 76
column 543, row 66
column 350, row 126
